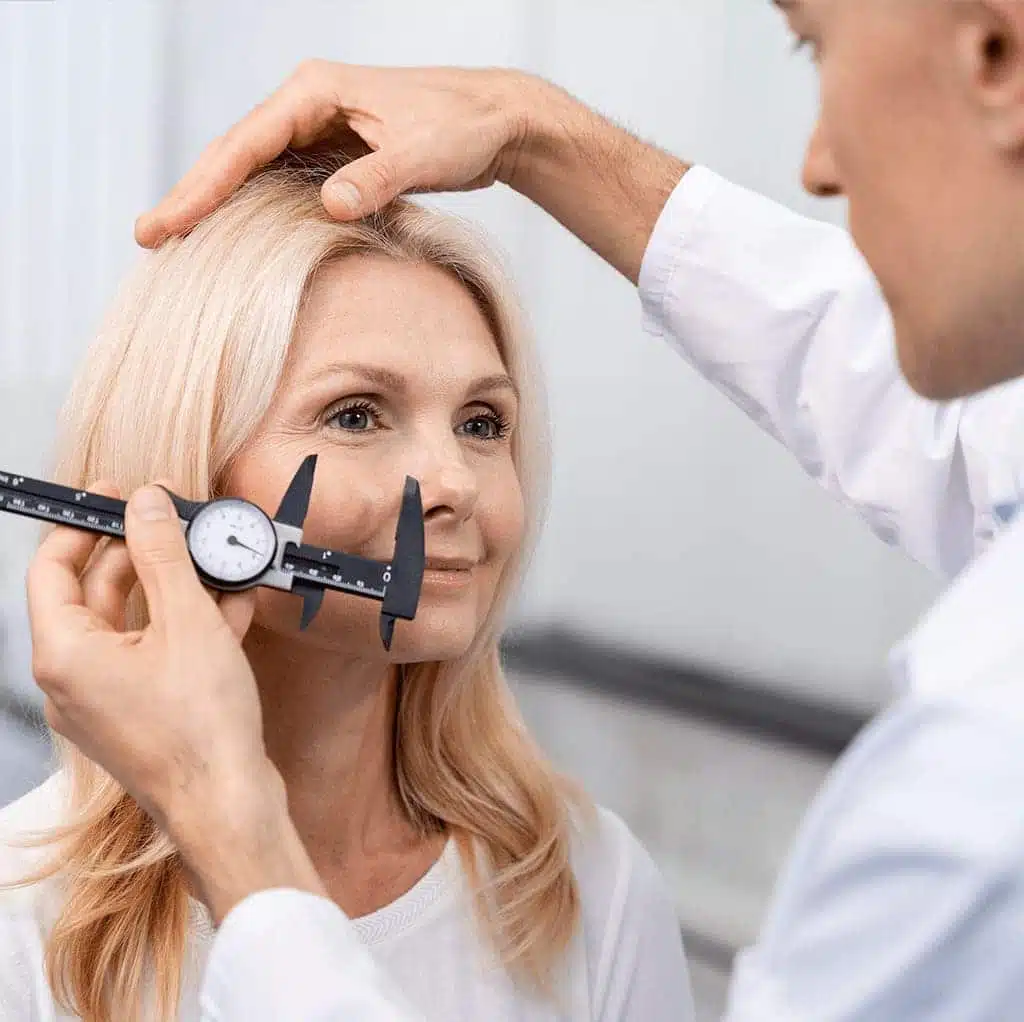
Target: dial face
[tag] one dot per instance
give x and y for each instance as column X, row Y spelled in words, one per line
column 232, row 541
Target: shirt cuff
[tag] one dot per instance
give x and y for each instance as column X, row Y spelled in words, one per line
column 664, row 251
column 289, row 954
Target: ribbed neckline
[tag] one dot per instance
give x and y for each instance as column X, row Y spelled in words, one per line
column 386, row 922
column 409, row 908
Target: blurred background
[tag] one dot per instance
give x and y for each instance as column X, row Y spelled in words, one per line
column 704, row 707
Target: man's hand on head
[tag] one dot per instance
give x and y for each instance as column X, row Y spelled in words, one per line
column 437, row 130
column 421, row 129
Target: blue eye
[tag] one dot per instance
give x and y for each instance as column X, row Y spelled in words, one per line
column 357, row 417
column 491, row 426
column 353, row 418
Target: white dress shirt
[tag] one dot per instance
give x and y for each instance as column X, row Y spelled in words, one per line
column 903, row 898
column 782, row 314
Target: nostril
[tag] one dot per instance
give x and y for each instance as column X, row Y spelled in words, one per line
column 438, row 511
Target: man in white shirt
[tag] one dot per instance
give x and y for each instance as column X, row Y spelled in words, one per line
column 904, row 897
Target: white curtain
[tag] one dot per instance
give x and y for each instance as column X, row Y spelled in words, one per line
column 82, row 134
column 81, row 112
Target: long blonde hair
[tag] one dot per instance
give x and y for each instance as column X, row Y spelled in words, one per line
column 174, row 385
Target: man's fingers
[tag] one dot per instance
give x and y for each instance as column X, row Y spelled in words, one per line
column 237, row 610
column 53, row 593
column 70, row 547
column 366, row 185
column 158, row 552
column 200, row 191
column 53, row 582
column 224, row 165
column 108, row 582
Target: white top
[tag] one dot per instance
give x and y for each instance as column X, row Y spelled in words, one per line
column 627, row 963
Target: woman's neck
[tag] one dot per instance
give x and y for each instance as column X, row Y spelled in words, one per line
column 329, row 729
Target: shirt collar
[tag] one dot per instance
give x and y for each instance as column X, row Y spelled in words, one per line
column 973, row 627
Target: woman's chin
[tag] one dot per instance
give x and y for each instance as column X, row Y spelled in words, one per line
column 439, row 631
column 432, row 636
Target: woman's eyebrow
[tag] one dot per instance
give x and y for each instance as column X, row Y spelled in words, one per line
column 388, row 379
column 498, row 381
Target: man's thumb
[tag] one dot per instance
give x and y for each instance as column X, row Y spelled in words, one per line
column 156, row 545
column 363, row 187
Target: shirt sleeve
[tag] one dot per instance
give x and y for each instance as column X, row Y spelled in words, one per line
column 783, row 315
column 284, row 954
column 904, row 896
column 638, row 964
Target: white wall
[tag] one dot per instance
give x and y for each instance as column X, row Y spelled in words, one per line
column 747, row 566
column 81, row 111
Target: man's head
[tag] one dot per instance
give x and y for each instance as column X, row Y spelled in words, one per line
column 922, row 128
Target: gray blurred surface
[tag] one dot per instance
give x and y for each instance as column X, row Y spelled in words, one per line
column 717, row 810
column 24, row 759
column 24, row 747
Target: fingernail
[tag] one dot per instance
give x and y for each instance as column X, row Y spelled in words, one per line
column 151, row 504
column 347, row 194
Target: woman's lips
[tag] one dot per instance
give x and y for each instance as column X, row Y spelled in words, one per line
column 449, row 572
column 449, row 564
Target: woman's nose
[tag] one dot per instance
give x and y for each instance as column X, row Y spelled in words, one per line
column 448, row 485
column 820, row 175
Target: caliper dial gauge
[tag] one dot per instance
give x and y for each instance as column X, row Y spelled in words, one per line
column 231, row 541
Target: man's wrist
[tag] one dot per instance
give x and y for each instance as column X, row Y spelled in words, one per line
column 543, row 119
column 238, row 839
column 599, row 181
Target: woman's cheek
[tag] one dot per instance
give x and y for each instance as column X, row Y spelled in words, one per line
column 509, row 519
column 276, row 610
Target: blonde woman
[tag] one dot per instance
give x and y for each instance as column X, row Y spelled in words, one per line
column 485, row 888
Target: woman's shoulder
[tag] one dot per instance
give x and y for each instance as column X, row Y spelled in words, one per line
column 22, row 823
column 614, row 871
column 632, row 941
column 27, row 911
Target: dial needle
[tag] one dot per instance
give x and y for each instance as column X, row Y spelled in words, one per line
column 233, row 540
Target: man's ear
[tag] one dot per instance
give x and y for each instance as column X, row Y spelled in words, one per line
column 990, row 55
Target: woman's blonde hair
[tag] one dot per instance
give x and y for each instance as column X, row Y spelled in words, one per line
column 176, row 382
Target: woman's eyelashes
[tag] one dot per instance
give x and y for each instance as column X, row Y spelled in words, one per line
column 358, row 415
column 486, row 424
column 361, row 415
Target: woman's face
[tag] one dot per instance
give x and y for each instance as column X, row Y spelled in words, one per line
column 393, row 372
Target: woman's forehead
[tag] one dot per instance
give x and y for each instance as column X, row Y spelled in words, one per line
column 410, row 320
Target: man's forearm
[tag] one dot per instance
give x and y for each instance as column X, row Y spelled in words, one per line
column 597, row 180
